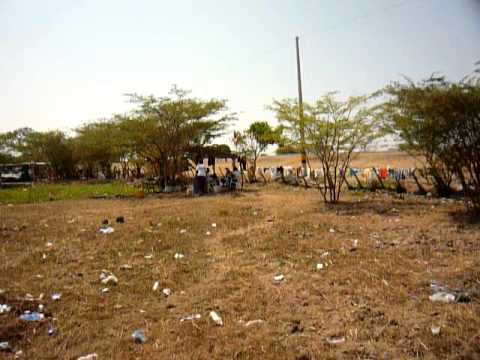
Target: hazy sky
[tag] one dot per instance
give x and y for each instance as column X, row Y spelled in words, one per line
column 65, row 62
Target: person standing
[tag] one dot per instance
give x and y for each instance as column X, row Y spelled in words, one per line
column 201, row 176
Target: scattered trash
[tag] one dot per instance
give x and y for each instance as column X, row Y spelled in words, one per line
column 120, row 220
column 18, row 354
column 278, row 278
column 4, row 308
column 336, row 340
column 319, row 266
column 107, row 277
column 40, row 307
column 51, row 330
column 29, row 297
column 155, row 286
column 34, row 316
column 435, row 330
column 331, row 230
column 88, row 357
column 106, row 230
column 190, row 317
column 56, row 296
column 216, row 318
column 443, row 296
column 183, row 231
column 126, row 267
column 208, row 233
column 105, row 290
column 4, row 345
column 354, row 244
column 44, row 256
column 254, row 322
column 214, row 225
column 49, row 244
column 178, row 256
column 325, row 254
column 149, row 256
column 167, row 292
column 138, row 337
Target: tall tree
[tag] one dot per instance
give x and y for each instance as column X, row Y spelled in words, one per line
column 335, row 130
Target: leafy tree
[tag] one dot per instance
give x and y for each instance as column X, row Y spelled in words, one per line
column 161, row 130
column 334, row 131
column 254, row 141
column 440, row 120
column 53, row 147
column 12, row 145
column 99, row 144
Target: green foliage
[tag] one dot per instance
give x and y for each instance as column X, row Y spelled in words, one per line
column 440, row 120
column 334, row 130
column 162, row 130
column 46, row 192
column 252, row 142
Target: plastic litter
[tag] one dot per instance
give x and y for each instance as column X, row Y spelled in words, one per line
column 178, row 256
column 435, row 330
column 107, row 277
column 18, row 354
column 214, row 225
column 183, row 231
column 336, row 340
column 56, row 296
column 4, row 345
column 49, row 244
column 155, row 286
column 105, row 290
column 29, row 297
column 208, row 233
column 216, row 318
column 443, row 296
column 319, row 266
column 331, row 230
column 34, row 316
column 106, row 230
column 126, row 267
column 40, row 307
column 167, row 292
column 278, row 278
column 89, row 357
column 149, row 256
column 51, row 330
column 190, row 317
column 254, row 322
column 4, row 308
column 138, row 337
column 325, row 254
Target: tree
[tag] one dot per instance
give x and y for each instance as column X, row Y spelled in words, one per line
column 334, row 130
column 12, row 145
column 161, row 130
column 97, row 145
column 440, row 120
column 254, row 141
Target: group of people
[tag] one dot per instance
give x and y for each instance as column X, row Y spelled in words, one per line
column 208, row 182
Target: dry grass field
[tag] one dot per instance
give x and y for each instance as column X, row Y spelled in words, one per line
column 374, row 295
column 395, row 159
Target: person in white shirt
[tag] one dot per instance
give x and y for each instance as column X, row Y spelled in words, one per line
column 201, row 177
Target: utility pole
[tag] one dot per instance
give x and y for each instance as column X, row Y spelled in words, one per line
column 300, row 111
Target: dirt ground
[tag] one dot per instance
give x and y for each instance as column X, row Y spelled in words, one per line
column 374, row 295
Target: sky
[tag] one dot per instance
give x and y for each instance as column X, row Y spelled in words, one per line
column 66, row 62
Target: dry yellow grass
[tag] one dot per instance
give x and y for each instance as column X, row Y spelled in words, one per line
column 376, row 297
